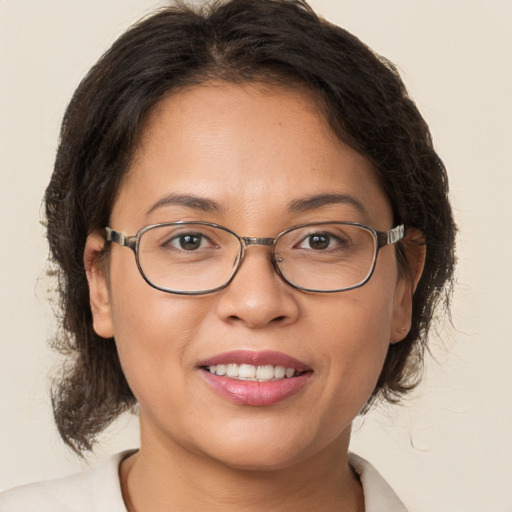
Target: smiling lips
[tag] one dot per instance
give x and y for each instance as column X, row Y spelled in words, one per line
column 252, row 373
column 255, row 378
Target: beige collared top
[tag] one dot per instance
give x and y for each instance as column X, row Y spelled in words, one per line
column 99, row 490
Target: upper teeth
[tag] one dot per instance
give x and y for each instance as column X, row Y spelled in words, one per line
column 250, row 372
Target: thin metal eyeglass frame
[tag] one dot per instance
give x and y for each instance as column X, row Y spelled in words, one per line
column 382, row 238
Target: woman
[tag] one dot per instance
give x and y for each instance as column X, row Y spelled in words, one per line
column 252, row 232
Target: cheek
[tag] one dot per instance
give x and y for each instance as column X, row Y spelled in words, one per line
column 353, row 336
column 143, row 314
column 152, row 331
column 357, row 322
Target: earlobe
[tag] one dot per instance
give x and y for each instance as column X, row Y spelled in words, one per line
column 415, row 253
column 98, row 286
column 402, row 311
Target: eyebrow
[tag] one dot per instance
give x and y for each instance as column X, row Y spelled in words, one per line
column 188, row 201
column 297, row 206
column 317, row 201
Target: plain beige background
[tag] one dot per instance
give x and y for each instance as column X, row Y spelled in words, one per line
column 450, row 448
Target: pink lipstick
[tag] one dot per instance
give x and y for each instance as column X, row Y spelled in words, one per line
column 255, row 378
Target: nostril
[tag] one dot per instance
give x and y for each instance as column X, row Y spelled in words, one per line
column 278, row 319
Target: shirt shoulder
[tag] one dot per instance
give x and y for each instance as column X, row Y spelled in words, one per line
column 378, row 494
column 97, row 490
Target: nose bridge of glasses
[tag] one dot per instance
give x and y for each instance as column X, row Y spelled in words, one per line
column 248, row 241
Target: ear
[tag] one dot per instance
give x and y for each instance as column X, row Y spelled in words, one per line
column 415, row 252
column 98, row 286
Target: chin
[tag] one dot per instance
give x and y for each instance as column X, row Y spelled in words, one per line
column 263, row 460
column 261, row 452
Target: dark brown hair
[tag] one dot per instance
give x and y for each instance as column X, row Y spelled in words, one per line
column 282, row 41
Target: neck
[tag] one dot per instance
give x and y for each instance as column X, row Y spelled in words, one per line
column 169, row 477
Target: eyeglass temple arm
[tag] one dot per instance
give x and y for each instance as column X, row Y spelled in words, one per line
column 391, row 237
column 121, row 239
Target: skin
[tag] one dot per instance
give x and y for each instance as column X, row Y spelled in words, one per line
column 253, row 149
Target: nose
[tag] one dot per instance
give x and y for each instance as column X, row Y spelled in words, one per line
column 257, row 297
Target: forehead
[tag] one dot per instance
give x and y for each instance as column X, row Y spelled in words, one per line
column 247, row 147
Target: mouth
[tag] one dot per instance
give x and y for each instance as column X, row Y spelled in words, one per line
column 252, row 373
column 255, row 378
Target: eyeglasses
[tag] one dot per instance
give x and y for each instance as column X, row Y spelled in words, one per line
column 194, row 258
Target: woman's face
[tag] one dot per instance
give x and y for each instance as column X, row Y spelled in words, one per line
column 245, row 156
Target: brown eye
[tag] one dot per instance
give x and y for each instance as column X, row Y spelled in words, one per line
column 190, row 242
column 186, row 242
column 323, row 242
column 319, row 242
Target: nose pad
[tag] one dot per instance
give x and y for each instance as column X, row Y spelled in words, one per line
column 258, row 296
